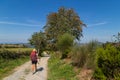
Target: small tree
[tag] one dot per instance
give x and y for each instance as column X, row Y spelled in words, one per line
column 117, row 38
column 64, row 44
column 38, row 40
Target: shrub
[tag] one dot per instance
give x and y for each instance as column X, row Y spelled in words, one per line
column 90, row 50
column 79, row 56
column 99, row 74
column 117, row 77
column 84, row 55
column 108, row 61
column 65, row 42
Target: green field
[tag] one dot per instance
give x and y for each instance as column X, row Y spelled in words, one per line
column 17, row 49
column 11, row 58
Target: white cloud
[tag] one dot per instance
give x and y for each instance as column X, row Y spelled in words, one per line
column 15, row 23
column 33, row 21
column 96, row 24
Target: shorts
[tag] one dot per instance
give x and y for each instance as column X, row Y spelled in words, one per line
column 34, row 62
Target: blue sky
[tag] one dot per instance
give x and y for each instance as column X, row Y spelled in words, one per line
column 19, row 19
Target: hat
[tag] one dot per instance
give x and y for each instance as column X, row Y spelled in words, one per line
column 34, row 49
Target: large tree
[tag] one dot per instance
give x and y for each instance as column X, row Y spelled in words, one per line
column 63, row 21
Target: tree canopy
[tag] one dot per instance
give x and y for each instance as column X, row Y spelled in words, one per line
column 63, row 21
column 58, row 23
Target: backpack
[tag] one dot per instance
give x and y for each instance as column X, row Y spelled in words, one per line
column 33, row 56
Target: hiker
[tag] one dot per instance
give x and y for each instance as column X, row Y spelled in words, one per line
column 34, row 58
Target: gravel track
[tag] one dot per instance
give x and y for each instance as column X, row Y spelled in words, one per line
column 24, row 71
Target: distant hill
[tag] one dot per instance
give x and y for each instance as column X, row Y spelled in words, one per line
column 99, row 43
column 15, row 45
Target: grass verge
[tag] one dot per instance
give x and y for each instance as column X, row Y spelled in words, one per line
column 7, row 66
column 59, row 70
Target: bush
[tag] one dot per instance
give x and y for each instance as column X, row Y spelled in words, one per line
column 99, row 75
column 108, row 61
column 79, row 55
column 90, row 50
column 117, row 77
column 65, row 42
column 84, row 55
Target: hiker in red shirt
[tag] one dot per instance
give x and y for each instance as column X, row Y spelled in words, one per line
column 34, row 57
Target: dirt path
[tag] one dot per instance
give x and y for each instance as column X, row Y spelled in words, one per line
column 85, row 74
column 24, row 72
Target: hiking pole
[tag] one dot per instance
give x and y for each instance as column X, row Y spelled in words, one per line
column 38, row 56
column 38, row 51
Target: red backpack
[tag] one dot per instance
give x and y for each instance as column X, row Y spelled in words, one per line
column 33, row 56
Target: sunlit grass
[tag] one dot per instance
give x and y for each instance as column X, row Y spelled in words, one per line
column 59, row 70
column 7, row 66
column 17, row 49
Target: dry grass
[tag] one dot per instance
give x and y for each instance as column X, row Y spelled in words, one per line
column 85, row 74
